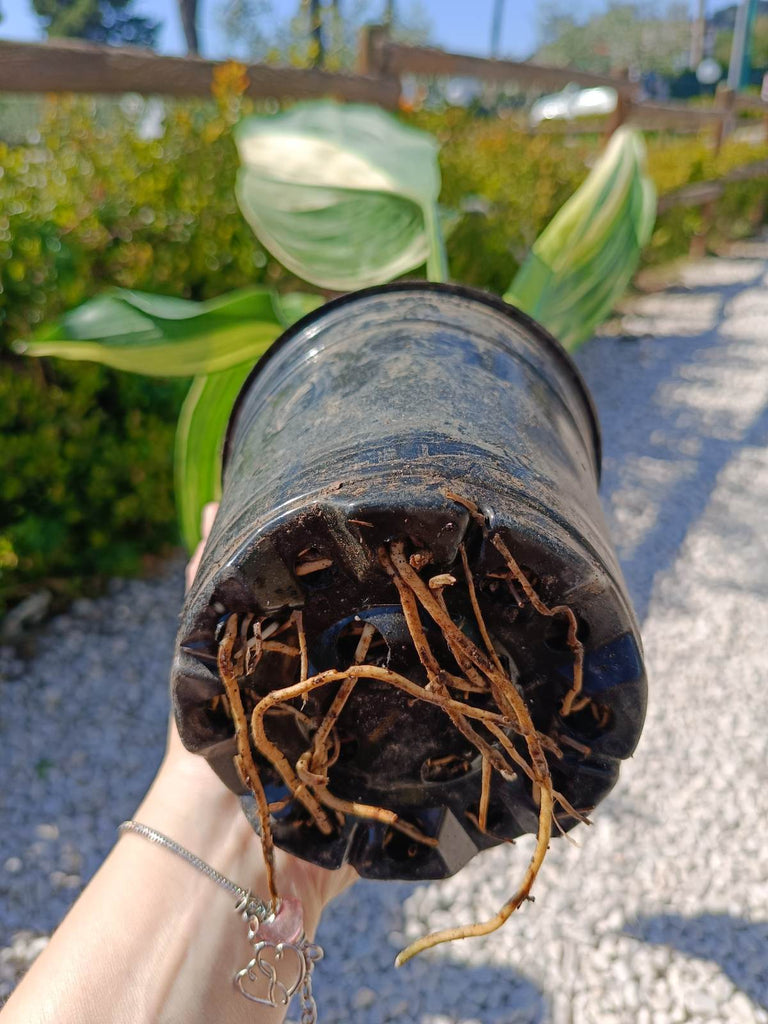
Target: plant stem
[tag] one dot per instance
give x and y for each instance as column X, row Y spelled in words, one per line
column 437, row 261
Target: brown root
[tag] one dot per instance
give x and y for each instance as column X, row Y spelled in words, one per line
column 280, row 762
column 522, row 894
column 481, row 671
column 244, row 758
column 476, row 609
column 383, row 675
column 393, row 564
column 512, row 704
column 367, row 811
column 485, row 796
column 319, row 759
column 280, row 648
column 561, row 609
column 298, row 618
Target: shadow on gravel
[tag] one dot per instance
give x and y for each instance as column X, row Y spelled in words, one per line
column 357, row 981
column 738, row 947
column 675, row 409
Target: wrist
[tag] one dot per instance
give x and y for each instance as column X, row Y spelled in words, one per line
column 189, row 803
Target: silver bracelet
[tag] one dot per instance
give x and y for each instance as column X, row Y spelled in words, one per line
column 276, row 934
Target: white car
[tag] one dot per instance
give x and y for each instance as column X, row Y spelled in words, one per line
column 574, row 102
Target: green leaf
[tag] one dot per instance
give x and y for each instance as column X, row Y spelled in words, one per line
column 295, row 305
column 344, row 195
column 199, row 441
column 166, row 337
column 585, row 258
column 203, row 423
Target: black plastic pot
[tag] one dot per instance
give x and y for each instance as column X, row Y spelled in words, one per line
column 348, row 434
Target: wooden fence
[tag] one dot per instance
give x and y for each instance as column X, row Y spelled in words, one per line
column 74, row 66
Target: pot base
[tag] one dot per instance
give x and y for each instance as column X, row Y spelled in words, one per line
column 392, row 750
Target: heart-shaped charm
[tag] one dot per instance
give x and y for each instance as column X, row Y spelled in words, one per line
column 269, row 958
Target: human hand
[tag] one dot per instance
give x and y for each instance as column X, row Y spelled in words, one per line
column 191, row 773
column 156, row 931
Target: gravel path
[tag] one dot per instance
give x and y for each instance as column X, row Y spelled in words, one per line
column 661, row 915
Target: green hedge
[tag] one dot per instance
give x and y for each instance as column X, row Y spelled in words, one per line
column 86, row 453
column 85, row 460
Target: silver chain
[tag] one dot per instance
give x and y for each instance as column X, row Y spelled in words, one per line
column 254, row 911
column 245, row 897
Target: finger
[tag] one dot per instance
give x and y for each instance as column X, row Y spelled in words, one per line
column 193, row 563
column 208, row 516
column 206, row 522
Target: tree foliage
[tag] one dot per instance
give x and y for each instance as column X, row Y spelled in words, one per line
column 623, row 36
column 320, row 33
column 99, row 21
column 759, row 48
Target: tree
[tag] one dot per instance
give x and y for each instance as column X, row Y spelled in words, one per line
column 99, row 21
column 244, row 26
column 252, row 32
column 316, row 33
column 625, row 35
column 759, row 48
column 188, row 12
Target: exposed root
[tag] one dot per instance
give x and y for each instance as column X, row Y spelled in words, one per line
column 298, row 618
column 501, row 686
column 280, row 762
column 573, row 641
column 512, row 704
column 393, row 563
column 522, row 894
column 280, row 648
column 485, row 795
column 383, row 675
column 476, row 609
column 486, row 729
column 367, row 811
column 319, row 758
column 561, row 609
column 582, row 748
column 253, row 650
column 244, row 758
column 307, row 568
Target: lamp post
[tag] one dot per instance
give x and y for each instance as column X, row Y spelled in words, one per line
column 738, row 69
column 498, row 11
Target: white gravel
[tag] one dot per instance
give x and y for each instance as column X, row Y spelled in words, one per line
column 661, row 915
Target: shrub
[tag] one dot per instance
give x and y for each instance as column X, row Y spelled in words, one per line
column 508, row 185
column 86, row 459
column 89, row 201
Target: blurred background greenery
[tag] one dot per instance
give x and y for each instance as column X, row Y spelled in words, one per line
column 140, row 193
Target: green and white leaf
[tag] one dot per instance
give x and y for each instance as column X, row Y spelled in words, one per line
column 345, row 196
column 584, row 259
column 203, row 423
column 166, row 337
column 199, row 441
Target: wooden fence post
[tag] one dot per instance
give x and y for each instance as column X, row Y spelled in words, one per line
column 698, row 247
column 372, row 50
column 619, row 115
column 725, row 100
column 623, row 106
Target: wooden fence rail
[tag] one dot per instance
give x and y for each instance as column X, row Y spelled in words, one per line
column 81, row 67
column 75, row 66
column 378, row 55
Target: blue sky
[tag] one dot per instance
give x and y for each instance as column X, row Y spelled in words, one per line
column 461, row 25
